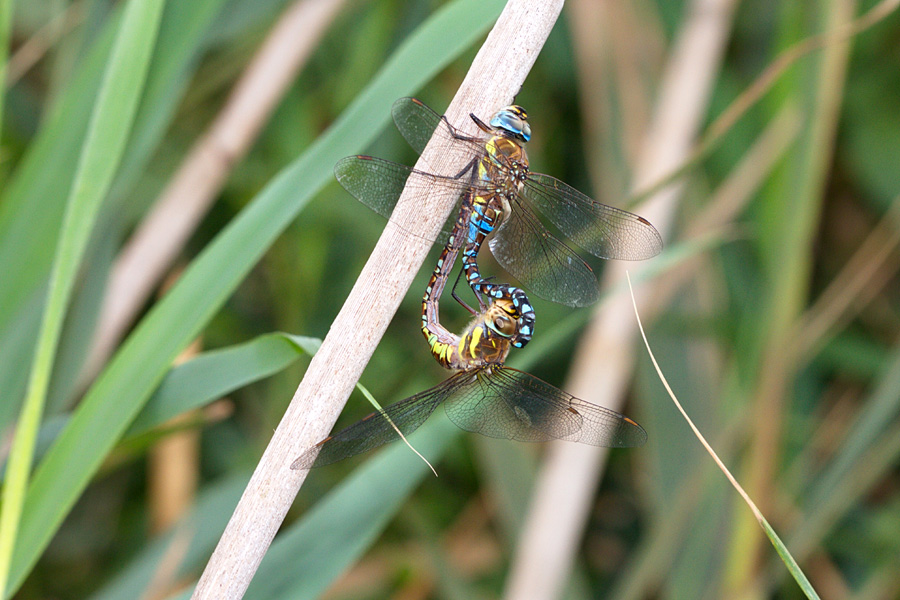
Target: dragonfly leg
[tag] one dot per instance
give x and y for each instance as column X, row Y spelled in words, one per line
column 481, row 303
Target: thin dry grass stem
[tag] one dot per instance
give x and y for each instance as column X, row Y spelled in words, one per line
column 43, row 39
column 734, row 194
column 408, row 444
column 757, row 514
column 568, row 479
column 867, row 271
column 158, row 240
column 788, row 288
column 373, row 402
column 496, row 75
column 697, row 434
column 761, row 85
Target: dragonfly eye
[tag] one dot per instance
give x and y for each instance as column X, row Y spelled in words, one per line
column 503, row 326
column 512, row 121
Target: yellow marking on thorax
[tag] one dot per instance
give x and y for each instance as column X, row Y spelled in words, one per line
column 475, row 341
column 461, row 348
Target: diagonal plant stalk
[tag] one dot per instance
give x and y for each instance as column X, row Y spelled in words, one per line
column 496, row 75
column 139, row 366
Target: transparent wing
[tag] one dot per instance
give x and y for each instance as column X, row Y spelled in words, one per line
column 602, row 230
column 375, row 430
column 378, row 183
column 418, row 123
column 512, row 404
column 545, row 266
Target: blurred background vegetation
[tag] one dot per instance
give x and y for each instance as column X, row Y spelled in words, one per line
column 780, row 335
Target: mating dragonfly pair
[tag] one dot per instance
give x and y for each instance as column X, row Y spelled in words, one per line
column 496, row 191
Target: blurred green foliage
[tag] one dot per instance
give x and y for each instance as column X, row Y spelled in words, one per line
column 664, row 524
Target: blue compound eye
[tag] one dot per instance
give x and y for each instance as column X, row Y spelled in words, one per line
column 513, row 121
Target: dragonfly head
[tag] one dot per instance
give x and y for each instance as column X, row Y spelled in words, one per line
column 512, row 121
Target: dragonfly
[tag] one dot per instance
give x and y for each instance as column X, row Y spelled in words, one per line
column 498, row 193
column 507, row 321
column 484, row 396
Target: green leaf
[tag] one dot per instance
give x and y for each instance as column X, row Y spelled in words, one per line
column 31, row 206
column 193, row 538
column 110, row 123
column 139, row 366
column 211, row 375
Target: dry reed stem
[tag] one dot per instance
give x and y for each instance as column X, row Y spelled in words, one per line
column 157, row 242
column 864, row 275
column 732, row 196
column 174, row 464
column 603, row 360
column 37, row 46
column 496, row 75
column 789, row 289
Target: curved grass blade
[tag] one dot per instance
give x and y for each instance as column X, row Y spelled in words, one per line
column 108, row 130
column 31, row 204
column 780, row 548
column 127, row 382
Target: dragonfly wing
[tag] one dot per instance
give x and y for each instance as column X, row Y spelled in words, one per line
column 604, row 427
column 378, row 183
column 375, row 430
column 602, row 230
column 498, row 405
column 375, row 182
column 545, row 265
column 509, row 403
column 418, row 124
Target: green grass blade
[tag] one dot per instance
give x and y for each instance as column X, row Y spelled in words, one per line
column 337, row 531
column 55, row 150
column 108, row 130
column 126, row 384
column 214, row 374
column 202, row 379
column 31, row 206
column 789, row 561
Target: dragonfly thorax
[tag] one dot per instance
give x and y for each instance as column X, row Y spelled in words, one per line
column 489, row 337
column 505, row 164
